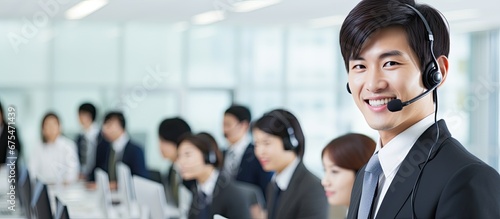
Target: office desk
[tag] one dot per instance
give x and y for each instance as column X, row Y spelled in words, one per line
column 80, row 201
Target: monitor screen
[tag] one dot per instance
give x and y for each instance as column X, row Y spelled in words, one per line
column 61, row 210
column 40, row 204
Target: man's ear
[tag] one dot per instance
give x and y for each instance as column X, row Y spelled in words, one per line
column 443, row 67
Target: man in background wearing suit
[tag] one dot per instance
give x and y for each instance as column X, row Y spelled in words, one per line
column 88, row 139
column 170, row 132
column 120, row 149
column 239, row 160
column 418, row 170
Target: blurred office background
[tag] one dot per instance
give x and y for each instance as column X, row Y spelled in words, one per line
column 154, row 59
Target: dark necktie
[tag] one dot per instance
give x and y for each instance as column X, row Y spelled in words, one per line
column 83, row 150
column 174, row 183
column 112, row 165
column 370, row 183
column 203, row 206
column 277, row 193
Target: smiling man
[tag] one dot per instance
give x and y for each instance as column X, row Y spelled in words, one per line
column 396, row 54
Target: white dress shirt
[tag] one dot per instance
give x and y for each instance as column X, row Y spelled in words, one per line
column 394, row 152
column 283, row 179
column 209, row 185
column 234, row 155
column 55, row 162
column 119, row 144
column 90, row 136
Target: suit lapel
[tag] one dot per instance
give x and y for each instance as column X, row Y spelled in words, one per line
column 245, row 159
column 400, row 189
column 293, row 187
column 356, row 194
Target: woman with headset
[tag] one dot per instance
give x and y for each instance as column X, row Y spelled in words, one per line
column 294, row 192
column 200, row 159
column 342, row 158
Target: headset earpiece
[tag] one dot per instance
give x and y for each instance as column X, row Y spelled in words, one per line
column 211, row 158
column 348, row 88
column 432, row 75
column 290, row 142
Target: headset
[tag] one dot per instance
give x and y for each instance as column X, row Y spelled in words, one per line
column 431, row 77
column 210, row 157
column 290, row 143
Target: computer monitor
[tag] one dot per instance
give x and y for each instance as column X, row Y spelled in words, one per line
column 126, row 190
column 125, row 184
column 61, row 210
column 40, row 204
column 151, row 194
column 102, row 182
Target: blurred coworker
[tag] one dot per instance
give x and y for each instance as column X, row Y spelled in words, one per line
column 56, row 160
column 88, row 139
column 239, row 160
column 342, row 158
column 294, row 192
column 120, row 148
column 170, row 132
column 215, row 193
column 5, row 137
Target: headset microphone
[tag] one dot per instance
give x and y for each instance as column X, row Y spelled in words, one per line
column 397, row 105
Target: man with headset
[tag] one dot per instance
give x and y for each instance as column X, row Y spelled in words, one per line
column 395, row 53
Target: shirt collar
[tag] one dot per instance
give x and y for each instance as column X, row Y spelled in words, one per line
column 58, row 141
column 283, row 179
column 120, row 143
column 394, row 152
column 208, row 186
column 240, row 146
column 92, row 132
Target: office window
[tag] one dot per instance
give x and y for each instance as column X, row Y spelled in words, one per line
column 262, row 57
column 152, row 54
column 453, row 94
column 17, row 50
column 86, row 52
column 211, row 57
column 204, row 111
column 311, row 57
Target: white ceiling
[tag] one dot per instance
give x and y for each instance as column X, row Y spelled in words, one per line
column 287, row 12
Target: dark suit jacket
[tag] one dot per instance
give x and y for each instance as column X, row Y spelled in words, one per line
column 250, row 171
column 4, row 143
column 454, row 184
column 80, row 140
column 133, row 157
column 228, row 200
column 303, row 199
